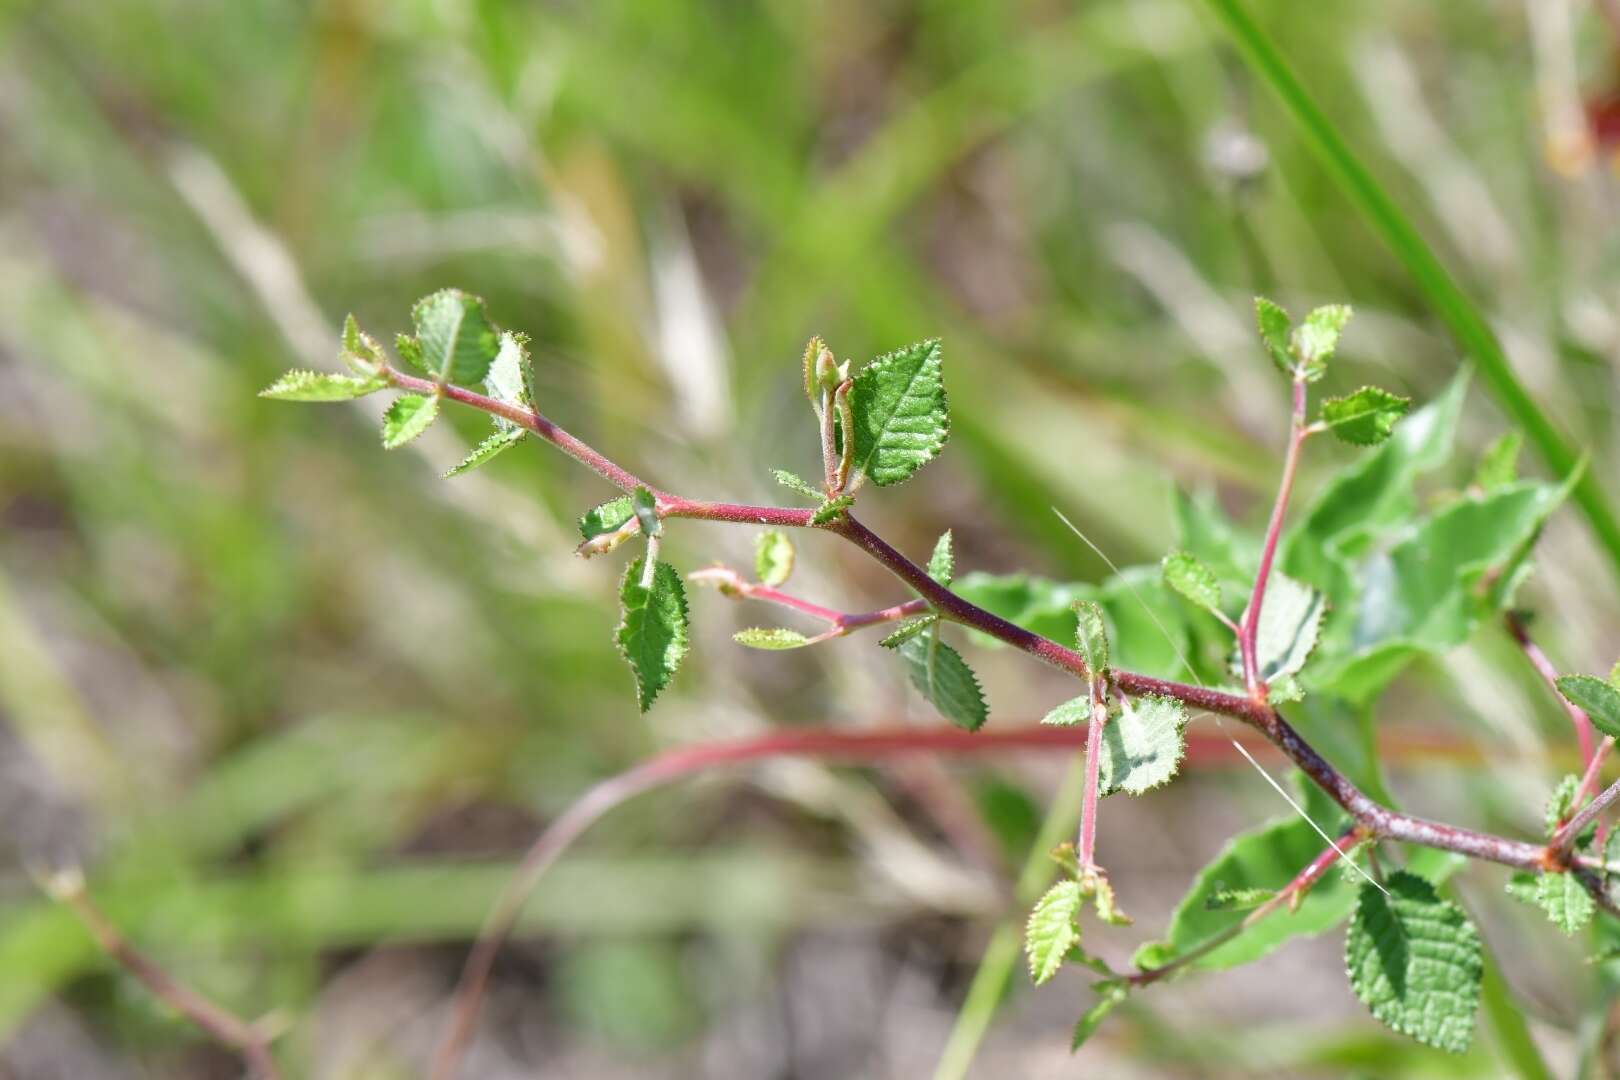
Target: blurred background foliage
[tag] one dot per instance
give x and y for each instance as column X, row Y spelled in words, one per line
column 297, row 705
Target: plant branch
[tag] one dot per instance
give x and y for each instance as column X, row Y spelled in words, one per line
column 1549, row 674
column 1248, row 633
column 1097, row 686
column 1564, row 839
column 732, row 583
column 225, row 1027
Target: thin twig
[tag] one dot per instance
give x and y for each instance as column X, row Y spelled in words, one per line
column 1088, row 804
column 1564, row 839
column 1249, row 631
column 1549, row 674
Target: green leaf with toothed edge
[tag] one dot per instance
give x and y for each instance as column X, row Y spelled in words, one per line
column 407, row 418
column 1091, row 634
column 900, row 415
column 832, row 510
column 316, row 386
column 1416, row 961
column 1366, row 417
column 908, row 630
column 1052, row 930
column 1109, row 994
column 1560, row 804
column 773, row 557
column 653, row 632
column 645, row 506
column 1316, row 339
column 1142, row 746
column 606, row 518
column 455, row 340
column 1073, row 712
column 1275, row 328
column 773, row 638
column 509, row 379
column 487, row 450
column 1188, row 575
column 941, row 675
column 1565, row 900
column 1600, row 700
column 798, row 483
column 942, row 563
column 1290, row 617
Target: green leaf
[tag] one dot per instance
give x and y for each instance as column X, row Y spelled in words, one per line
column 1275, row 328
column 652, row 633
column 455, row 340
column 1188, row 575
column 606, row 518
column 1366, row 417
column 798, row 483
column 316, row 386
column 773, row 637
column 1560, row 804
column 1290, row 617
column 1523, row 887
column 773, row 557
column 1416, row 962
column 1599, row 700
column 409, row 349
column 645, row 507
column 901, row 421
column 1565, row 900
column 942, row 563
column 909, row 629
column 407, row 418
column 1053, row 929
column 1109, row 994
column 488, row 449
column 832, row 510
column 1091, row 633
column 1142, row 746
column 509, row 379
column 1074, row 711
column 812, row 352
column 1317, row 338
column 1499, row 464
column 1238, row 899
column 941, row 675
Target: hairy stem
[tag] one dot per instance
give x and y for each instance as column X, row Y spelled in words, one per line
column 1249, row 632
column 1088, row 805
column 1564, row 839
column 841, row 622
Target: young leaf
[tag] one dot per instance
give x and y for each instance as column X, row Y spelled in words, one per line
column 652, row 634
column 1275, row 328
column 484, row 451
column 407, row 418
column 812, row 351
column 1599, row 699
column 774, row 638
column 1561, row 803
column 773, row 557
column 1415, row 961
column 1237, row 899
column 1565, row 900
column 1091, row 634
column 908, row 630
column 606, row 518
column 1142, row 746
column 1317, row 338
column 1053, row 929
column 901, row 422
column 832, row 510
column 454, row 337
column 1289, row 620
column 941, row 675
column 942, row 563
column 797, row 483
column 509, row 379
column 1074, row 711
column 1109, row 994
column 315, row 386
column 645, row 507
column 1366, row 417
column 1191, row 578
column 1499, row 464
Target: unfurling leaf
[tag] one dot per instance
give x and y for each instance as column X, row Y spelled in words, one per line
column 316, row 386
column 773, row 557
column 652, row 633
column 1561, row 803
column 1110, row 992
column 1366, row 417
column 455, row 341
column 908, row 630
column 1092, row 636
column 941, row 675
column 812, row 352
column 942, row 563
column 407, row 418
column 1275, row 328
column 770, row 637
column 901, row 421
column 832, row 510
column 645, row 506
column 1142, row 746
column 1188, row 575
column 798, row 483
column 1316, row 339
column 1290, row 617
column 606, row 518
column 484, row 451
column 1499, row 464
column 1600, row 700
column 1053, row 929
column 1415, row 961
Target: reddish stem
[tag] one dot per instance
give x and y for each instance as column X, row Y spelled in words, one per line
column 1088, row 805
column 1549, row 674
column 1248, row 633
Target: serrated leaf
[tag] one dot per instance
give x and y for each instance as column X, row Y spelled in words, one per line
column 351, row 334
column 770, row 637
column 941, row 675
column 407, row 418
column 1188, row 575
column 410, row 351
column 509, row 379
column 1317, row 338
column 1565, row 900
column 1091, row 635
column 773, row 557
column 1499, row 464
column 456, row 340
column 1598, row 699
column 901, row 420
column 1416, row 962
column 488, row 449
column 1074, row 711
column 798, row 483
column 317, row 386
column 1238, row 899
column 1275, row 328
column 652, row 631
column 1290, row 618
column 1561, row 803
column 1052, row 930
column 942, row 563
column 1142, row 746
column 1522, row 886
column 1366, row 417
column 908, row 630
column 645, row 506
column 1109, row 995
column 606, row 518
column 832, row 510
